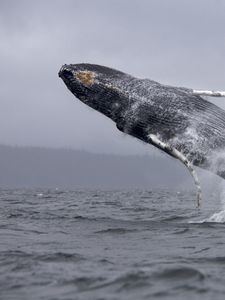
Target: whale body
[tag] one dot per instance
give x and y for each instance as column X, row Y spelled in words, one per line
column 142, row 107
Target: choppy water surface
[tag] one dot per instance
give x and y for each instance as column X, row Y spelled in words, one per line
column 110, row 245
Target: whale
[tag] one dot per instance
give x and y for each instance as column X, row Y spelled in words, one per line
column 176, row 120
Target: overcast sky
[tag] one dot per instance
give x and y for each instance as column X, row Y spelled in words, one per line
column 174, row 42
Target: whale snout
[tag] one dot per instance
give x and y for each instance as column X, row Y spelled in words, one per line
column 65, row 72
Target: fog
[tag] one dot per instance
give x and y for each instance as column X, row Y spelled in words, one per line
column 174, row 42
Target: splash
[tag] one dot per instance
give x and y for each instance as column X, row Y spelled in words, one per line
column 217, row 166
column 217, row 217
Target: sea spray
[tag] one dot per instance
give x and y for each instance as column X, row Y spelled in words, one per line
column 219, row 217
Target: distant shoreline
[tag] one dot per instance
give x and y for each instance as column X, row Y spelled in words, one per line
column 29, row 167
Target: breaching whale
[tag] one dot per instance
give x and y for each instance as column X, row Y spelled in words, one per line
column 177, row 120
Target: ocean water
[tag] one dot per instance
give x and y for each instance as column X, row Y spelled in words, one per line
column 81, row 244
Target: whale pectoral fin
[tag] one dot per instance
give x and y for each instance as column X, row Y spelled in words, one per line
column 209, row 93
column 177, row 154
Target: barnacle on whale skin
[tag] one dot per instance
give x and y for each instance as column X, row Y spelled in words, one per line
column 86, row 77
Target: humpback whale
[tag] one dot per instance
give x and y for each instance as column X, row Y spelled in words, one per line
column 177, row 120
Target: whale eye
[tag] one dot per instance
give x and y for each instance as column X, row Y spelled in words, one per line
column 86, row 77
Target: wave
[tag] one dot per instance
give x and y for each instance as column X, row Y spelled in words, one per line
column 181, row 273
column 116, row 230
column 8, row 257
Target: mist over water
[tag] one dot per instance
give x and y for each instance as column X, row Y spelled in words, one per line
column 93, row 244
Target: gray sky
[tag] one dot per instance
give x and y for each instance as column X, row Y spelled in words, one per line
column 174, row 42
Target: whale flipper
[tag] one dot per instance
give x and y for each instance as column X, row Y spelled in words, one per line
column 153, row 139
column 209, row 93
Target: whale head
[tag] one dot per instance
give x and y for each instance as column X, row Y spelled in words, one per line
column 97, row 86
